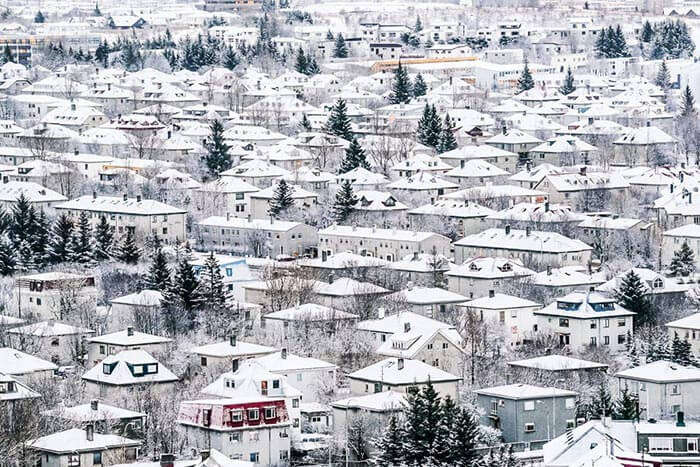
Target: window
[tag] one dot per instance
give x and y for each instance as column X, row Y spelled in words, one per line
column 430, row 346
column 621, row 338
column 594, row 324
column 444, row 345
column 529, row 428
column 606, row 323
column 38, row 301
column 594, row 341
column 563, row 322
column 570, row 424
column 255, row 457
column 284, row 455
column 96, row 458
column 299, row 377
column 494, row 407
column 253, row 414
column 103, row 350
column 204, row 361
column 675, row 408
column 675, row 389
column 606, row 340
column 660, row 444
column 295, row 403
column 234, row 437
column 570, row 402
column 621, row 322
column 692, row 444
column 529, row 405
column 270, row 412
column 236, row 416
column 275, row 384
column 73, row 460
column 377, row 387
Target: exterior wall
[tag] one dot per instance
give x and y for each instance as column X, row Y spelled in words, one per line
column 98, row 352
column 663, row 400
column 234, row 239
column 669, row 245
column 573, row 258
column 265, row 441
column 115, row 394
column 45, row 305
column 580, row 332
column 362, row 387
column 550, row 416
column 87, row 459
column 309, row 380
column 383, row 248
column 218, row 203
column 693, row 336
column 475, row 288
column 517, row 323
column 60, row 350
column 259, row 206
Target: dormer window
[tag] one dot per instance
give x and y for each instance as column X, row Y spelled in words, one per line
column 658, row 283
column 107, row 368
column 6, row 387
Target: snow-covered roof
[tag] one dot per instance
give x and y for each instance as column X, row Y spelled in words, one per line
column 427, row 296
column 585, row 305
column 557, row 363
column 401, row 322
column 522, row 240
column 377, row 234
column 524, row 392
column 568, row 276
column 280, row 362
column 225, row 349
column 116, row 204
column 14, row 362
column 645, row 135
column 476, row 168
column 342, row 260
column 347, row 287
column 310, row 312
column 500, row 301
column 387, row 401
column 93, row 413
column 422, row 181
column 273, row 225
column 76, row 439
column 129, row 337
column 688, row 322
column 50, row 328
column 33, row 192
column 19, row 390
column 123, row 370
column 661, row 371
column 296, row 192
column 490, row 268
column 413, row 372
column 610, row 223
column 538, row 212
column 422, row 262
column 483, row 151
column 688, row 230
column 143, row 298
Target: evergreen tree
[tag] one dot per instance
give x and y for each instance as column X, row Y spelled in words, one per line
column 60, row 244
column 329, row 35
column 340, row 49
column 301, row 64
column 128, row 252
column 282, row 199
column 83, row 243
column 423, row 418
column 443, row 452
column 632, row 295
column 104, row 239
column 158, row 276
column 39, row 18
column 429, row 127
column 659, row 349
column 687, row 103
column 345, row 201
column 419, row 86
column 681, row 351
column 23, row 221
column 525, row 81
column 657, row 49
column 632, row 352
column 230, row 59
column 466, row 437
column 312, row 68
column 602, row 44
column 388, row 451
column 663, row 77
column 568, row 86
column 447, row 136
column 647, row 34
column 626, row 405
column 214, row 295
column 184, row 289
column 354, row 157
column 218, row 158
column 418, row 26
column 8, row 262
column 338, row 123
column 305, row 123
column 619, row 44
column 25, row 256
column 96, row 11
column 40, row 239
column 7, row 56
column 601, row 402
column 400, row 86
column 683, row 262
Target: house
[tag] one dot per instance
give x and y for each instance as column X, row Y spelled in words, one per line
column 423, row 184
column 502, row 159
column 127, row 371
column 142, row 217
column 531, row 247
column 12, row 390
column 647, row 145
column 477, row 276
column 40, row 197
column 402, row 375
column 83, row 447
column 553, row 367
column 101, row 347
column 105, row 418
column 342, row 263
column 513, row 314
column 386, row 244
column 386, row 50
column 126, row 22
column 498, row 196
column 225, row 352
column 687, row 328
column 527, row 415
column 230, row 195
column 584, row 188
column 378, row 408
column 316, row 417
column 146, row 302
column 260, row 200
column 259, row 237
column 421, row 269
column 538, row 216
column 655, row 285
column 582, row 319
column 256, row 172
column 234, row 271
column 308, row 315
column 554, row 282
column 514, row 141
column 470, row 217
column 664, row 388
column 674, row 239
column 434, row 302
column 563, row 151
column 24, row 367
column 614, row 231
column 345, row 292
column 40, row 295
column 476, row 172
column 311, row 376
column 59, row 342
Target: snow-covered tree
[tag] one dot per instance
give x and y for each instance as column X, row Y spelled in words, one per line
column 354, row 157
column 281, row 200
column 525, row 81
column 663, row 77
column 338, row 123
column 83, row 244
column 218, row 158
column 448, row 142
column 632, row 295
column 568, row 86
column 626, row 405
column 388, row 448
column 345, row 201
column 340, row 48
column 104, row 239
column 60, row 243
column 128, row 251
column 683, row 262
column 419, row 86
column 400, row 86
column 158, row 275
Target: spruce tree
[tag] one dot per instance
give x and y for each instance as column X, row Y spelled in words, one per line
column 83, row 242
column 7, row 56
column 647, row 34
column 104, row 239
column 568, row 86
column 601, row 402
column 158, row 275
column 447, row 136
column 184, row 289
column 25, row 256
column 429, row 127
column 305, row 123
column 8, row 261
column 345, row 201
column 388, row 448
column 681, row 351
column 128, row 252
column 687, row 103
column 340, row 49
column 466, row 437
column 338, row 123
column 23, row 221
column 60, row 243
column 443, row 450
column 400, row 86
column 218, row 158
column 659, row 348
column 663, row 77
column 602, row 44
column 40, row 239
column 212, row 290
column 230, row 59
column 354, row 157
column 632, row 295
column 301, row 64
column 419, row 86
column 39, row 17
column 418, row 26
column 281, row 200
column 329, row 35
column 683, row 262
column 312, row 68
column 413, row 444
column 96, row 11
column 626, row 405
column 525, row 81
column 620, row 43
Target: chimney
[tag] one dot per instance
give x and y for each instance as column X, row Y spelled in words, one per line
column 76, row 152
column 138, row 198
column 232, row 340
column 250, row 218
column 504, row 129
column 546, row 206
column 234, row 365
column 93, row 404
column 492, row 293
column 94, row 195
column 284, row 354
column 528, row 230
column 381, row 312
column 582, row 170
column 89, row 432
column 167, row 460
column 204, row 454
column 406, row 326
column 324, row 256
column 399, row 363
column 126, row 197
column 680, row 418
column 331, row 278
column 549, row 270
column 671, row 187
column 507, row 229
column 228, row 216
column 130, row 331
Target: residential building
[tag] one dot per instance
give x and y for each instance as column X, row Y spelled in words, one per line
column 83, row 447
column 24, row 367
column 40, row 295
column 514, row 315
column 308, row 375
column 477, row 276
column 105, row 345
column 225, row 353
column 58, row 342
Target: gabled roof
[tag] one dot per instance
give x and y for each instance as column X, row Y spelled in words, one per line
column 283, row 362
column 557, row 363
column 124, row 338
column 413, row 372
column 524, row 392
column 661, row 371
column 116, row 204
column 75, row 439
column 547, row 242
column 14, row 362
column 122, row 370
column 310, row 312
column 386, row 401
column 86, row 413
column 490, row 268
column 500, row 301
column 50, row 328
